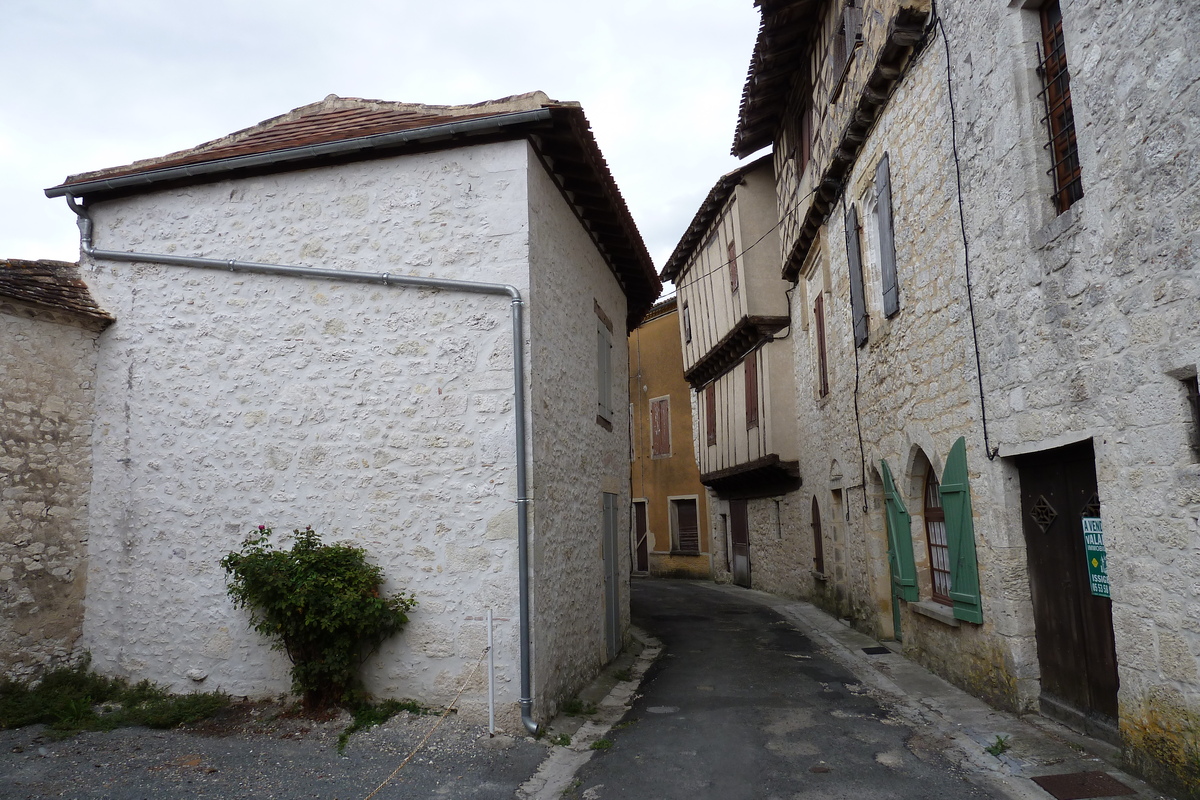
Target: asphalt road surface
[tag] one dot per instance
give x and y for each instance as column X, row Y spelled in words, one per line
column 743, row 705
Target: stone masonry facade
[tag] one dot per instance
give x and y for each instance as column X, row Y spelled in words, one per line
column 1020, row 328
column 47, row 368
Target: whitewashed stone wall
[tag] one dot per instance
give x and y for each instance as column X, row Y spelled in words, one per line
column 575, row 459
column 47, row 369
column 1090, row 318
column 380, row 416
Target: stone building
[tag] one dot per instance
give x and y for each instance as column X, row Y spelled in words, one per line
column 988, row 216
column 49, row 324
column 361, row 380
column 671, row 531
column 737, row 357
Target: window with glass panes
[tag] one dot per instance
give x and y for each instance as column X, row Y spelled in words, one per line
column 935, row 534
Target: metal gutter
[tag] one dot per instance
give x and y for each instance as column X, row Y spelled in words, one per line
column 378, row 141
column 401, row 281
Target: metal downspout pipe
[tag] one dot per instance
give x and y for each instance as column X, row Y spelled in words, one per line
column 409, row 281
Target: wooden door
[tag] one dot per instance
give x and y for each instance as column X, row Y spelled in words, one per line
column 1074, row 630
column 641, row 547
column 739, row 534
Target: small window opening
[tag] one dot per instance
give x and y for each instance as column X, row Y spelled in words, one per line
column 935, row 529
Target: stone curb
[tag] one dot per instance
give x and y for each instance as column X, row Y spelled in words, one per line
column 556, row 773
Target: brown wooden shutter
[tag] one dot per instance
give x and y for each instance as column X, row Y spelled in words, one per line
column 689, row 526
column 660, row 427
column 887, row 238
column 710, row 413
column 858, row 305
column 822, row 359
column 818, row 538
column 751, row 364
column 731, row 257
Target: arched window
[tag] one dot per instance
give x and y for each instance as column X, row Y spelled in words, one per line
column 935, row 533
column 818, row 540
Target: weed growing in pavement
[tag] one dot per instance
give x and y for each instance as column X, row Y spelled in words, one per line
column 623, row 675
column 577, row 708
column 562, row 740
column 999, row 746
column 602, row 744
column 73, row 699
column 625, row 724
column 322, row 605
column 368, row 715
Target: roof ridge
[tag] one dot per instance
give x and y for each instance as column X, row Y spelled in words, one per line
column 528, row 101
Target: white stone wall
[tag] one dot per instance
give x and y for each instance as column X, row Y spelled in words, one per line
column 380, row 416
column 1089, row 319
column 47, row 369
column 575, row 459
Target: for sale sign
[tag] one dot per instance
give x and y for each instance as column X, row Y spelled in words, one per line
column 1097, row 556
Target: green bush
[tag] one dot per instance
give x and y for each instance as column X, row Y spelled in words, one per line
column 322, row 605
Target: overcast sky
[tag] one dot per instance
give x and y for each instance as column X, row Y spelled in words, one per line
column 89, row 84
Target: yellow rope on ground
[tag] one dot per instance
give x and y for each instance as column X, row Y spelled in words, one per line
column 441, row 719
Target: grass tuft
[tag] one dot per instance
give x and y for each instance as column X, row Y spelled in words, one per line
column 73, row 699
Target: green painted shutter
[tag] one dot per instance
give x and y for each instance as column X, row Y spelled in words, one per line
column 960, row 535
column 900, row 550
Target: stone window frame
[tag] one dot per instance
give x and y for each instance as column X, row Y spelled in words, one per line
column 1063, row 147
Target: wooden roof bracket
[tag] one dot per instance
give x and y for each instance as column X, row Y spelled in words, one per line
column 908, row 33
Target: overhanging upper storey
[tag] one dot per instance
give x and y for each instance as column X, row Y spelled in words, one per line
column 821, row 74
column 726, row 271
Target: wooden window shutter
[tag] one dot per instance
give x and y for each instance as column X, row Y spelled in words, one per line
column 751, row 364
column 858, row 305
column 731, row 257
column 603, row 372
column 660, row 427
column 852, row 22
column 960, row 536
column 822, row 359
column 887, row 238
column 900, row 549
column 818, row 539
column 710, row 413
column 688, row 526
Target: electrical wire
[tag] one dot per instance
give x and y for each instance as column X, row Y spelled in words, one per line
column 697, row 278
column 962, row 222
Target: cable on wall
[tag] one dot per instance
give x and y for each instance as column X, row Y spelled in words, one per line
column 962, row 222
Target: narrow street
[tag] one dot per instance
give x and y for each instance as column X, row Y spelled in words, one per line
column 743, row 705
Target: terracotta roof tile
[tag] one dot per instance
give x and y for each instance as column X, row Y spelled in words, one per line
column 559, row 132
column 334, row 119
column 50, row 284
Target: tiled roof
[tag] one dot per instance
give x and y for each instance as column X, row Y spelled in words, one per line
column 705, row 215
column 338, row 129
column 50, row 284
column 782, row 39
column 334, row 119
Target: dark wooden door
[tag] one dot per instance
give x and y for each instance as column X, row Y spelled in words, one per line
column 739, row 535
column 642, row 547
column 1074, row 629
